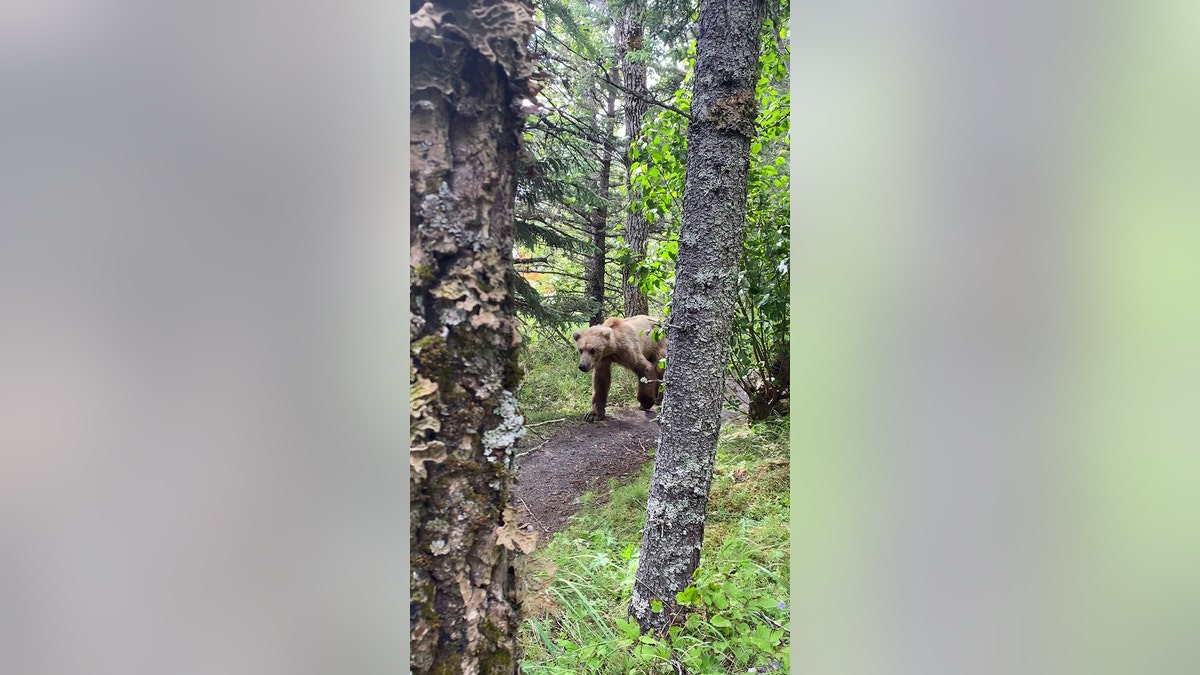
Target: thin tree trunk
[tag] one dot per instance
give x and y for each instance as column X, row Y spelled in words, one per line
column 599, row 222
column 633, row 72
column 710, row 242
column 470, row 67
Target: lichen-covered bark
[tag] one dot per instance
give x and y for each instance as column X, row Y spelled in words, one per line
column 631, row 37
column 470, row 68
column 710, row 241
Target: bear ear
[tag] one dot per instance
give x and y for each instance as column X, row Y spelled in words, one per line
column 607, row 332
column 575, row 335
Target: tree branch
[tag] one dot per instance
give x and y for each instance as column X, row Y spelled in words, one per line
column 608, row 79
column 647, row 99
column 557, row 274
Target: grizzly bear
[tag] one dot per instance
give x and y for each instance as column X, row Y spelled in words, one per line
column 629, row 343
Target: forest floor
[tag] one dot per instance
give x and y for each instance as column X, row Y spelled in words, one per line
column 579, row 458
column 555, row 469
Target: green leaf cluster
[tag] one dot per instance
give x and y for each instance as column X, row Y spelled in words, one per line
column 743, row 629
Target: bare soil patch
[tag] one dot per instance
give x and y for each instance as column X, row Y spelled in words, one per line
column 578, row 458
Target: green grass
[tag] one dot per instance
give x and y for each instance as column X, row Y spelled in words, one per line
column 736, row 619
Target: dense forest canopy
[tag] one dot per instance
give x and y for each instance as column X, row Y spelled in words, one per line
column 599, row 192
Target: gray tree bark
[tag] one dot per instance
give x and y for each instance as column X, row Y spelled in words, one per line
column 470, row 68
column 631, row 38
column 710, row 241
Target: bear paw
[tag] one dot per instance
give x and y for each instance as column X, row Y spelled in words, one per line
column 593, row 417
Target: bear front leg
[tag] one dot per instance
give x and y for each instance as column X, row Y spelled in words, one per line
column 601, row 380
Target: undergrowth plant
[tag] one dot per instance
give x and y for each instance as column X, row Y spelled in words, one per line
column 733, row 617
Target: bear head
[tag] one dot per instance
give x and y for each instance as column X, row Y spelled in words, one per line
column 594, row 344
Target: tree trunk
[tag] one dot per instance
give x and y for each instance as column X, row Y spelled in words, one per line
column 470, row 68
column 710, row 242
column 631, row 39
column 599, row 221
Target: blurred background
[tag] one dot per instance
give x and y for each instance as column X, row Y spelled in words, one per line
column 996, row 447
column 201, row 337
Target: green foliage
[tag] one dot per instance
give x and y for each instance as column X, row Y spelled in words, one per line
column 570, row 20
column 671, row 20
column 659, row 160
column 759, row 342
column 734, row 616
column 533, row 235
column 558, row 182
column 748, row 628
column 544, row 314
column 657, row 171
column 559, row 166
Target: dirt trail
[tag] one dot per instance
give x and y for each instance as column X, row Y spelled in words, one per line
column 579, row 458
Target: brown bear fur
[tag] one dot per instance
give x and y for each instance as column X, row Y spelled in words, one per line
column 627, row 342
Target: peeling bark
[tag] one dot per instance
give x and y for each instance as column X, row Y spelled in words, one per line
column 710, row 242
column 470, row 68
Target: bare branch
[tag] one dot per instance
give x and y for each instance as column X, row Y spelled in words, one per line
column 647, row 99
column 561, row 419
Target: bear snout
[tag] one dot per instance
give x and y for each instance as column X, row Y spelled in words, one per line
column 584, row 367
